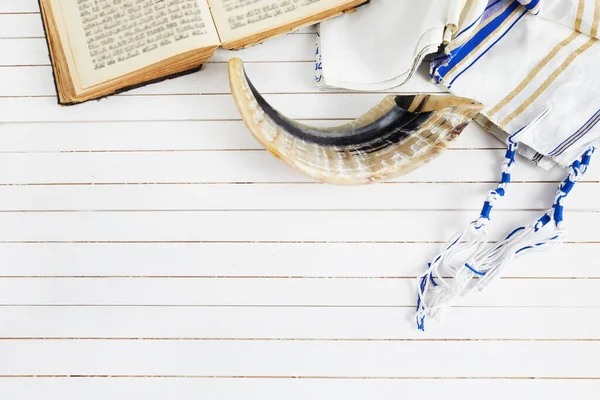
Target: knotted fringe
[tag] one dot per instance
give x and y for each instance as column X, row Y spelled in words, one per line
column 449, row 276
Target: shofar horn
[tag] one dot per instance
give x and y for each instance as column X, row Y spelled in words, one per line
column 400, row 134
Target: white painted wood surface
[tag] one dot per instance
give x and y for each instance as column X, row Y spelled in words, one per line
column 151, row 249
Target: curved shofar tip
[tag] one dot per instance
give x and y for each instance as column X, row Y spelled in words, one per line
column 398, row 135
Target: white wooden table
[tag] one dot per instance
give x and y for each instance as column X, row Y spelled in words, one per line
column 152, row 250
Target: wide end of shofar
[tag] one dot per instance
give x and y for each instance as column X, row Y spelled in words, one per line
column 398, row 135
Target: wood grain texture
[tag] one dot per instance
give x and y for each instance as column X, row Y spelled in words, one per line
column 151, row 247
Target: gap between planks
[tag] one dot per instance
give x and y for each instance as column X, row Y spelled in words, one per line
column 245, row 242
column 210, row 339
column 191, row 150
column 270, row 183
column 285, row 306
column 295, row 377
column 276, row 277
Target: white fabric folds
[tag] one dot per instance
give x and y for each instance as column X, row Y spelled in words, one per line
column 380, row 45
column 520, row 65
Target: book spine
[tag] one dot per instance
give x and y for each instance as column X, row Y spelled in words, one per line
column 47, row 38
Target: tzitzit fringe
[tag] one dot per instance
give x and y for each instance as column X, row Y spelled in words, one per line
column 465, row 257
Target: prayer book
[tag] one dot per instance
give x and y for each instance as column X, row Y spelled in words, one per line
column 102, row 47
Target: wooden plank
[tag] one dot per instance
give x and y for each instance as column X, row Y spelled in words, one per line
column 289, row 359
column 23, row 51
column 424, row 196
column 296, row 323
column 338, row 226
column 165, row 136
column 19, row 6
column 280, row 226
column 287, row 292
column 294, row 389
column 241, row 167
column 21, row 26
column 264, row 260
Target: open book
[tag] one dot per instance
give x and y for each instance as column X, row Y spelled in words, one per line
column 101, row 47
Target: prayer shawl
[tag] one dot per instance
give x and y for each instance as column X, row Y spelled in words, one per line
column 381, row 45
column 535, row 65
column 527, row 68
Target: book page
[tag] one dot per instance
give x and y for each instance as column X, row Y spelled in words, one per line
column 236, row 19
column 111, row 38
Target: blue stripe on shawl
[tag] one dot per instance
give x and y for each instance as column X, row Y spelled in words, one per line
column 477, row 19
column 532, row 4
column 488, row 49
column 465, row 50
